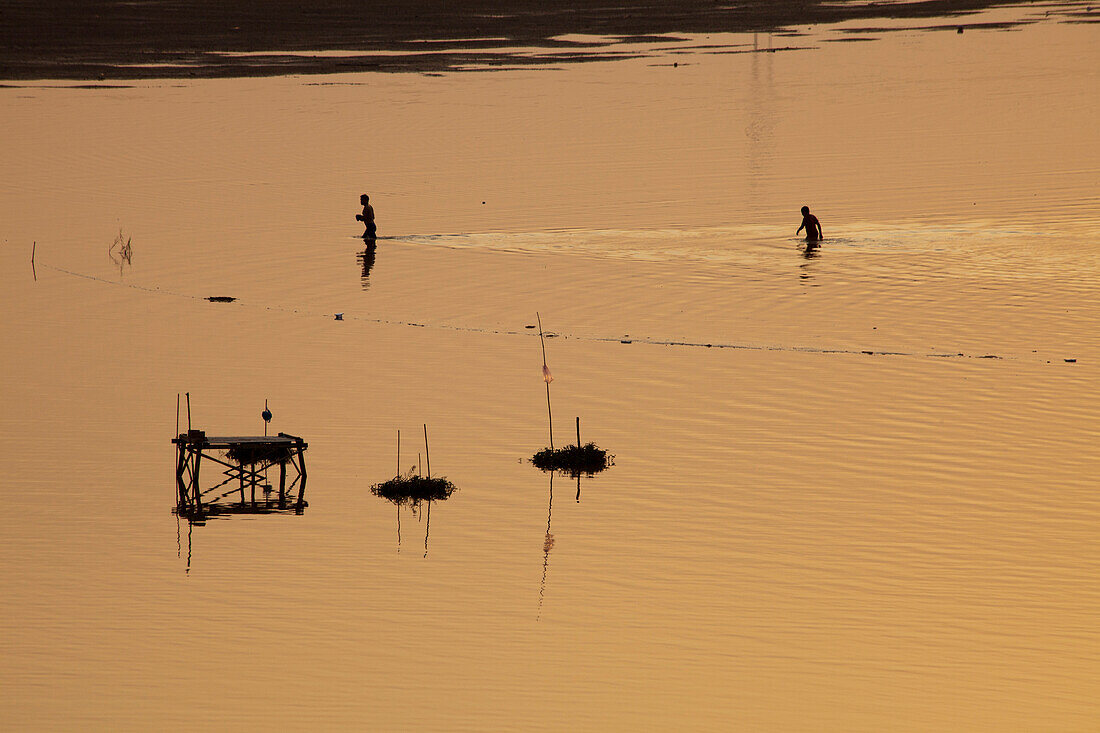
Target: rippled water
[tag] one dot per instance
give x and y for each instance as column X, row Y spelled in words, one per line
column 854, row 488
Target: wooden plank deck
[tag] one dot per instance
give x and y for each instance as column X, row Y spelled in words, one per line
column 219, row 442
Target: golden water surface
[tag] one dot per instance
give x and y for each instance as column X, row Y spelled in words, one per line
column 869, row 505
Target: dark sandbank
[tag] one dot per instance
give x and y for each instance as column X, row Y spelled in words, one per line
column 107, row 39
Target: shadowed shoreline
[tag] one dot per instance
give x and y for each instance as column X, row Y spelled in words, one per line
column 105, row 39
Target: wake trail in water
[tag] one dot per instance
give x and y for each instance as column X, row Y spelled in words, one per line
column 650, row 341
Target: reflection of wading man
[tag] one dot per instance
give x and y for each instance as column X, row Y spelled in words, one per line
column 367, row 217
column 811, row 225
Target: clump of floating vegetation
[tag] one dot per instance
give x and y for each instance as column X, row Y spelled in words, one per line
column 588, row 458
column 576, row 459
column 411, row 490
column 221, row 298
column 249, row 454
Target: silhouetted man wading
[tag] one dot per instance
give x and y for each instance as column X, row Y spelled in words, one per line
column 367, row 217
column 811, row 225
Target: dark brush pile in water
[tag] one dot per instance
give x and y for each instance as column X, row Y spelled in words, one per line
column 249, row 454
column 413, row 489
column 575, row 459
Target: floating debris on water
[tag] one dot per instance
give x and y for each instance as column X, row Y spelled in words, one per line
column 588, row 458
column 410, row 490
column 220, row 298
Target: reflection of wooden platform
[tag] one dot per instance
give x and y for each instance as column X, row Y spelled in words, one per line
column 246, row 461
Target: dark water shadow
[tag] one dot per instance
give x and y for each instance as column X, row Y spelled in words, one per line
column 366, row 259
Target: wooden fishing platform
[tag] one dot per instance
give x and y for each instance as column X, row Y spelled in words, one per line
column 244, row 468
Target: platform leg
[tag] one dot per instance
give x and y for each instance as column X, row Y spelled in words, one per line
column 302, row 472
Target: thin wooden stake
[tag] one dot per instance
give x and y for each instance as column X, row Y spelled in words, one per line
column 398, row 453
column 177, row 414
column 545, row 374
column 427, row 456
column 188, row 411
column 578, row 432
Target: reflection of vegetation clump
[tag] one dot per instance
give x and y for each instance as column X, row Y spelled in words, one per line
column 574, row 459
column 249, row 454
column 413, row 489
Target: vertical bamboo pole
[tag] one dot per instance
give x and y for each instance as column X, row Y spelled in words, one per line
column 578, row 432
column 282, row 485
column 302, row 473
column 427, row 456
column 197, row 452
column 398, row 453
column 546, row 378
column 181, row 488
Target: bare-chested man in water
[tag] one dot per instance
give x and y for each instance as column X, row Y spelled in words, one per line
column 367, row 217
column 811, row 225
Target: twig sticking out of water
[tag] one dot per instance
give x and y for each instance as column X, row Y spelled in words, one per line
column 548, row 378
column 125, row 251
column 427, row 456
column 413, row 487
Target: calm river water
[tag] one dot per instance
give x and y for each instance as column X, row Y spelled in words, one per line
column 869, row 505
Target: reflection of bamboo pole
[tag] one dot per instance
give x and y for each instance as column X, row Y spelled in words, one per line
column 427, row 457
column 427, row 527
column 547, row 543
column 578, row 448
column 546, row 378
